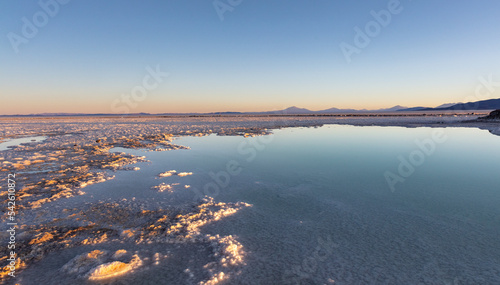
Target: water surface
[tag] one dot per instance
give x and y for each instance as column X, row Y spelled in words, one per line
column 324, row 212
column 15, row 142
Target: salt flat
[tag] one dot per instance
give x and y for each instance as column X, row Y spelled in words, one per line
column 76, row 153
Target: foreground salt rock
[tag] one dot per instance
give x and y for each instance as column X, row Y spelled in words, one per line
column 98, row 265
column 82, row 263
column 115, row 268
column 127, row 221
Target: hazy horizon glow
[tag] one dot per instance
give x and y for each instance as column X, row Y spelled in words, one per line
column 260, row 56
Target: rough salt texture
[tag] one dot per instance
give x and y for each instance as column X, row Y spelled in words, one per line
column 126, row 222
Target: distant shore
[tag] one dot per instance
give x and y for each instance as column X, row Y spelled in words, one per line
column 257, row 124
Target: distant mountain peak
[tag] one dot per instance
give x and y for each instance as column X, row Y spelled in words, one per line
column 446, row 105
column 392, row 109
column 295, row 109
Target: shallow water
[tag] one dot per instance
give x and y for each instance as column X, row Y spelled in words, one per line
column 310, row 185
column 15, row 142
column 323, row 210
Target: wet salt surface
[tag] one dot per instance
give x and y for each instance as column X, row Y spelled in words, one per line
column 322, row 211
column 15, row 142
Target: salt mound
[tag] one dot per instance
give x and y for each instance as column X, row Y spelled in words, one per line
column 229, row 249
column 163, row 187
column 115, row 268
column 83, row 262
column 167, row 173
column 97, row 264
column 119, row 253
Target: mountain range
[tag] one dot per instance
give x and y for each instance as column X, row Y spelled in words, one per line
column 491, row 104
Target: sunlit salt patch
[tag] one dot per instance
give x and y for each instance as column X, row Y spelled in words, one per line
column 174, row 172
column 70, row 188
column 167, row 173
column 98, row 265
column 98, row 178
column 163, row 187
column 84, row 262
column 114, row 268
column 188, row 225
column 215, row 279
column 119, row 253
column 156, row 258
column 231, row 250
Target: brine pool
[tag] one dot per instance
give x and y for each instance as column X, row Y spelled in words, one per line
column 15, row 142
column 330, row 205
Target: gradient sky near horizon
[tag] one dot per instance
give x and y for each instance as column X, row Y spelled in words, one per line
column 263, row 55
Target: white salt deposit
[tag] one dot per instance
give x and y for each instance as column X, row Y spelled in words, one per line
column 174, row 172
column 114, row 268
column 167, row 173
column 163, row 187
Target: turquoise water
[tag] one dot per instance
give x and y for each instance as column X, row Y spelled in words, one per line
column 324, row 211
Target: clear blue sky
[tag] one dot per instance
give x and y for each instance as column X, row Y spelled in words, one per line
column 262, row 55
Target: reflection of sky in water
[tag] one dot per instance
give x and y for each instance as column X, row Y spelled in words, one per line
column 14, row 142
column 351, row 161
column 310, row 183
column 334, row 162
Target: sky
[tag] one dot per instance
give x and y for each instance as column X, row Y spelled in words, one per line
column 113, row 56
